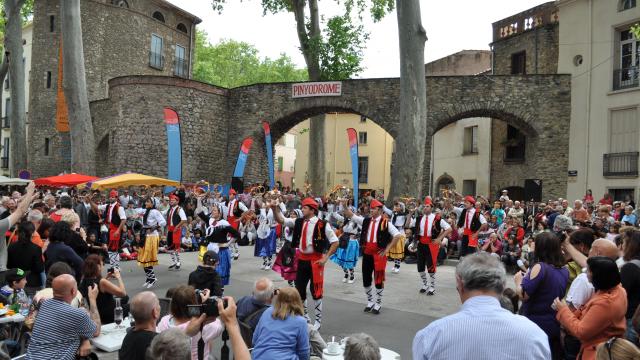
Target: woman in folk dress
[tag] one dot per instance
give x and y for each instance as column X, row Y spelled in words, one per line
column 222, row 248
column 397, row 217
column 288, row 273
column 349, row 249
column 150, row 238
column 266, row 242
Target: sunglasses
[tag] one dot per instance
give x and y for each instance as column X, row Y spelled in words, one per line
column 609, row 344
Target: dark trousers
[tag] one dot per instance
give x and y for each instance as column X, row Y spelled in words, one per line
column 304, row 278
column 425, row 259
column 466, row 250
column 367, row 271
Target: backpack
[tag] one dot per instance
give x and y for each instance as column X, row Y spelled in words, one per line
column 245, row 329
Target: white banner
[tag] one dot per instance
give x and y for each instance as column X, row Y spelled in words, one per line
column 314, row 89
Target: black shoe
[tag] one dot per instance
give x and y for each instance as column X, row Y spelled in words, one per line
column 422, row 291
column 375, row 311
column 431, row 292
column 177, row 267
column 368, row 309
column 172, row 267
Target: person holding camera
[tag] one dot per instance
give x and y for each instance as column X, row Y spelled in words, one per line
column 92, row 275
column 184, row 307
column 205, row 276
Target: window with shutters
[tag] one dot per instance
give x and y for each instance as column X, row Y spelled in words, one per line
column 362, row 138
column 156, row 59
column 469, row 187
column 470, row 140
column 363, row 169
column 622, row 159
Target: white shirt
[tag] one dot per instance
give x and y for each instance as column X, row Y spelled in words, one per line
column 580, row 291
column 481, row 330
column 328, row 231
column 429, row 222
column 121, row 213
column 228, row 210
column 183, row 216
column 155, row 218
column 373, row 227
column 469, row 214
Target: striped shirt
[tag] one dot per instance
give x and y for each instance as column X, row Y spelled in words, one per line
column 481, row 330
column 58, row 330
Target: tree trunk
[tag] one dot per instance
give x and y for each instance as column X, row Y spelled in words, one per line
column 409, row 158
column 17, row 115
column 4, row 69
column 317, row 160
column 75, row 90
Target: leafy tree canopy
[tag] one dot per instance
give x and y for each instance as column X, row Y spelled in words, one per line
column 27, row 15
column 332, row 47
column 636, row 30
column 231, row 64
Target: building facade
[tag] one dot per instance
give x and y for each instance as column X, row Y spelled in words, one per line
column 375, row 149
column 462, row 150
column 5, row 134
column 603, row 58
column 523, row 44
column 120, row 37
column 285, row 160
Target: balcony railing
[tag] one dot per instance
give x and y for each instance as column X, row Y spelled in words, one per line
column 626, row 78
column 156, row 60
column 620, row 164
column 181, row 68
column 4, row 162
column 6, row 123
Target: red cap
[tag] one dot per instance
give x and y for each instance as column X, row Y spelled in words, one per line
column 232, row 192
column 470, row 199
column 174, row 197
column 310, row 203
column 375, row 203
column 113, row 194
column 427, row 201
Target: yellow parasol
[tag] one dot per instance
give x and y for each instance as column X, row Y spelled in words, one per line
column 126, row 180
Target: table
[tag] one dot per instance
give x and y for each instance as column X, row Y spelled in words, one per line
column 386, row 354
column 110, row 338
column 17, row 318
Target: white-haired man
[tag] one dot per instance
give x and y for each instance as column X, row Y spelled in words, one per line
column 480, row 280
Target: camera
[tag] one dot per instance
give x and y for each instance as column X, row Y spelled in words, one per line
column 209, row 307
column 110, row 270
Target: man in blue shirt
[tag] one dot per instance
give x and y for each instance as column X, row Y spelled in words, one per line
column 250, row 308
column 480, row 280
column 60, row 330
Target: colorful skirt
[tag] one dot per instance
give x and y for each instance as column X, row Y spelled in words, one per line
column 288, row 273
column 266, row 247
column 347, row 258
column 224, row 266
column 148, row 255
column 397, row 252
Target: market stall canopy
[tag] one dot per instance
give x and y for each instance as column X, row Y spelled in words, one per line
column 126, row 180
column 72, row 179
column 5, row 181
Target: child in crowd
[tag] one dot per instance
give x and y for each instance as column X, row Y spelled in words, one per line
column 13, row 290
column 205, row 276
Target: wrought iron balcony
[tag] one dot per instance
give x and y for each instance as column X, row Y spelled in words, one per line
column 6, row 123
column 4, row 162
column 181, row 68
column 156, row 60
column 626, row 78
column 620, row 164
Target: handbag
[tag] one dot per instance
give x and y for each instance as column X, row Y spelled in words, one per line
column 343, row 241
column 288, row 254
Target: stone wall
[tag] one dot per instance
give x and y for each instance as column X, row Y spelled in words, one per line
column 116, row 42
column 540, row 45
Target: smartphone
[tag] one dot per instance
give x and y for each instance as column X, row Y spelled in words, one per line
column 194, row 310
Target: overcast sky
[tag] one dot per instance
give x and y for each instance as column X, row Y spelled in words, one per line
column 451, row 26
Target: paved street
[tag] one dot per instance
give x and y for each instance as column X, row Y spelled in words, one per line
column 404, row 310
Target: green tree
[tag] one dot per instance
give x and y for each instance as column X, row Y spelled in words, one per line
column 635, row 29
column 332, row 53
column 231, row 64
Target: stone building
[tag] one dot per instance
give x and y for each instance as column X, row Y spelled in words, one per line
column 138, row 56
column 462, row 150
column 603, row 58
column 523, row 44
column 120, row 37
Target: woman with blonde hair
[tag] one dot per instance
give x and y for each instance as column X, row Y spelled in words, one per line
column 617, row 349
column 282, row 331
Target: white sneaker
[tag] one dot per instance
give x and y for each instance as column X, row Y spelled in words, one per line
column 151, row 284
column 431, row 291
column 352, row 280
column 344, row 279
column 396, row 270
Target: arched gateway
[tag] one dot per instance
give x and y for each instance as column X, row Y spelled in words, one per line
column 214, row 120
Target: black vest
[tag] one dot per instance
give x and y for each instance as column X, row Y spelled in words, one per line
column 383, row 237
column 115, row 218
column 435, row 227
column 475, row 221
column 176, row 217
column 319, row 239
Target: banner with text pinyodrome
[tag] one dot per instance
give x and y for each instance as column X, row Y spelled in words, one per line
column 242, row 157
column 267, row 141
column 353, row 151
